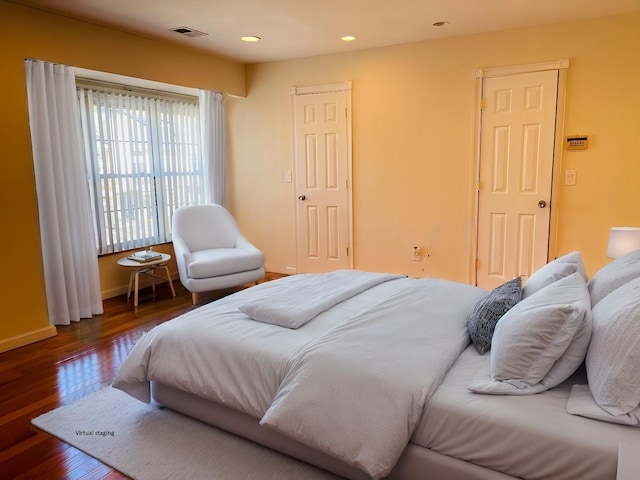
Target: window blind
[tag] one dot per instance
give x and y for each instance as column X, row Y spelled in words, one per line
column 144, row 161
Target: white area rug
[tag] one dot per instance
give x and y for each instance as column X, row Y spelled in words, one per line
column 146, row 442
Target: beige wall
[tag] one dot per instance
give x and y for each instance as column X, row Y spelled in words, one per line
column 413, row 124
column 29, row 33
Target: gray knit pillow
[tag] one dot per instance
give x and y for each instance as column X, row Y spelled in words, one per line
column 485, row 315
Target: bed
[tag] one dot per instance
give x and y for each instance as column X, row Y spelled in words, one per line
column 372, row 375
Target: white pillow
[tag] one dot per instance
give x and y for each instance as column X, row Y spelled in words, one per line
column 613, row 275
column 581, row 403
column 553, row 271
column 540, row 342
column 613, row 360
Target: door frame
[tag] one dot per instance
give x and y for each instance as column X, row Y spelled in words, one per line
column 561, row 65
column 344, row 87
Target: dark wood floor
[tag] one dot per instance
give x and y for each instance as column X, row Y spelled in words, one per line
column 83, row 358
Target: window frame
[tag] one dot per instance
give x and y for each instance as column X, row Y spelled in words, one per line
column 174, row 173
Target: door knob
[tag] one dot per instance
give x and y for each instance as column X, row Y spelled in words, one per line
column 302, row 197
column 542, row 204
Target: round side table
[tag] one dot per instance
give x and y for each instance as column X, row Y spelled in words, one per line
column 149, row 269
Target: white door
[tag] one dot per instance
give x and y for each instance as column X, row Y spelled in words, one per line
column 516, row 166
column 322, row 166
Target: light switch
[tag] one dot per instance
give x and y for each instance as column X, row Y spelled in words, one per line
column 570, row 177
column 288, row 178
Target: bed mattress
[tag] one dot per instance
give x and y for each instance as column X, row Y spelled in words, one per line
column 529, row 437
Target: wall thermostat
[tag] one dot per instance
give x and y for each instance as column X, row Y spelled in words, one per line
column 577, row 142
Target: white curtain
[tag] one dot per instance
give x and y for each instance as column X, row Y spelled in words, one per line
column 213, row 152
column 67, row 234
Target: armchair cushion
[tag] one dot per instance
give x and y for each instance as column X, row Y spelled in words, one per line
column 223, row 261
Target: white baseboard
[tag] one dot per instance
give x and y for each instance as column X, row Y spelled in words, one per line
column 283, row 270
column 27, row 338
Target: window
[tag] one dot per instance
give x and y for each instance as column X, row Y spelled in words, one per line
column 144, row 161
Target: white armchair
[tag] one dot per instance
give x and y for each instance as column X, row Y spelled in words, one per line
column 211, row 252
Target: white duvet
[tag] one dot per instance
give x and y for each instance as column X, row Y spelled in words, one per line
column 351, row 382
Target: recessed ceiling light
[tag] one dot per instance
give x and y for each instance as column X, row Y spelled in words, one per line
column 441, row 23
column 250, row 38
column 348, row 38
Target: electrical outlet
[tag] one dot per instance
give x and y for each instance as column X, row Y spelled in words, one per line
column 415, row 254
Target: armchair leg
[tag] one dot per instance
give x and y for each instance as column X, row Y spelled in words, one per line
column 194, row 297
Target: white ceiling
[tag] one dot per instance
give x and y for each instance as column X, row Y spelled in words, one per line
column 302, row 28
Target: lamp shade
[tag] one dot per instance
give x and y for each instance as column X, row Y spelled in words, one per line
column 623, row 240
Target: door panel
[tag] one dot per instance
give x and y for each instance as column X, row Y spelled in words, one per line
column 516, row 165
column 322, row 168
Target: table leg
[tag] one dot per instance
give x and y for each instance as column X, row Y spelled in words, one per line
column 135, row 295
column 130, row 283
column 173, row 291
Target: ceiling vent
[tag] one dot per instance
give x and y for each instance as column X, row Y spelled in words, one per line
column 189, row 32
